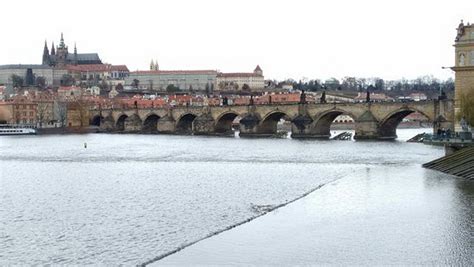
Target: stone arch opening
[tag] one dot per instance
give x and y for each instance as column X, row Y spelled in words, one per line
column 274, row 123
column 185, row 124
column 120, row 125
column 388, row 126
column 332, row 120
column 150, row 124
column 96, row 120
column 225, row 122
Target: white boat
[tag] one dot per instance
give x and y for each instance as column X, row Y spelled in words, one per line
column 16, row 129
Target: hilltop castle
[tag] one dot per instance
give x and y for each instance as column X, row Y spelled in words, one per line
column 60, row 56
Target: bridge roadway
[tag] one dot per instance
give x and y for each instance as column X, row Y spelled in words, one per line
column 373, row 120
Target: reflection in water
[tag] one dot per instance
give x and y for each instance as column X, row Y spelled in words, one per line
column 129, row 198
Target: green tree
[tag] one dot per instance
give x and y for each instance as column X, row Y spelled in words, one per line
column 40, row 81
column 135, row 83
column 67, row 80
column 17, row 81
column 171, row 88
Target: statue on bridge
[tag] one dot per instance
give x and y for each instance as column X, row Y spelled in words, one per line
column 367, row 97
column 460, row 31
column 322, row 100
column 302, row 97
column 464, row 125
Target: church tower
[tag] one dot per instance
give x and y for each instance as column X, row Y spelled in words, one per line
column 75, row 54
column 61, row 53
column 464, row 66
column 258, row 71
column 46, row 59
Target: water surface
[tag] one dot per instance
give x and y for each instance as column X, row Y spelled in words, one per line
column 126, row 199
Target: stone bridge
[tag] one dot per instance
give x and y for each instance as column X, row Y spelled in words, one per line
column 373, row 120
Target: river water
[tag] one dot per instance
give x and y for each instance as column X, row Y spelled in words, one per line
column 128, row 199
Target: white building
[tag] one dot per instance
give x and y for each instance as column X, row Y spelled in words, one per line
column 241, row 81
column 185, row 80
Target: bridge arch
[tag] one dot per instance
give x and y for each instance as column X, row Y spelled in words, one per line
column 184, row 124
column 269, row 122
column 120, row 124
column 224, row 122
column 324, row 120
column 388, row 125
column 150, row 123
column 96, row 120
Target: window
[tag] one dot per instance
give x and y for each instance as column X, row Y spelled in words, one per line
column 472, row 58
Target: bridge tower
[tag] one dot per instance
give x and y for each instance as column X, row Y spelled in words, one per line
column 464, row 66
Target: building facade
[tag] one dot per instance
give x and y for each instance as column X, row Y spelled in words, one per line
column 50, row 74
column 185, row 80
column 240, row 81
column 464, row 65
column 98, row 72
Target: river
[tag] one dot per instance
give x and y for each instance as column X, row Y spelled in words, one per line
column 127, row 199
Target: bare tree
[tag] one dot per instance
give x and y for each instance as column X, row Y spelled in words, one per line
column 43, row 112
column 60, row 110
column 467, row 107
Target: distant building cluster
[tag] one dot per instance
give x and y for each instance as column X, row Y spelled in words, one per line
column 66, row 85
column 62, row 67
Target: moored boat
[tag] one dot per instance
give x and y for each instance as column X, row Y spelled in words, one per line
column 16, row 129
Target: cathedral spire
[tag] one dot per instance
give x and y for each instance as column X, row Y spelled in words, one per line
column 157, row 67
column 152, row 65
column 45, row 54
column 45, row 50
column 61, row 43
column 53, row 50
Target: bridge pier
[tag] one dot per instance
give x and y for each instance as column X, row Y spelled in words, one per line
column 133, row 124
column 302, row 127
column 249, row 127
column 203, row 125
column 166, row 125
column 366, row 127
column 107, row 124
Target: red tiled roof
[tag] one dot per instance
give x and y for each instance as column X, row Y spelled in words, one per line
column 96, row 67
column 204, row 72
column 238, row 74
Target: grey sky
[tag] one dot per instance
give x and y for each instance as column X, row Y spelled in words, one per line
column 313, row 39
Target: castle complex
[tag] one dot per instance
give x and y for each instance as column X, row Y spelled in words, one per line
column 55, row 64
column 60, row 56
column 464, row 65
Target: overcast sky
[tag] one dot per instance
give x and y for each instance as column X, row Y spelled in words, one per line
column 289, row 39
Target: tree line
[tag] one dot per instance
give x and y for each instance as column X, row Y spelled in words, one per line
column 427, row 84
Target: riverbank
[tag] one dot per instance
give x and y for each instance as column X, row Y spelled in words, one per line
column 67, row 130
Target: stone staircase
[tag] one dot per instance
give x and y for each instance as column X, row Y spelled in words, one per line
column 459, row 163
